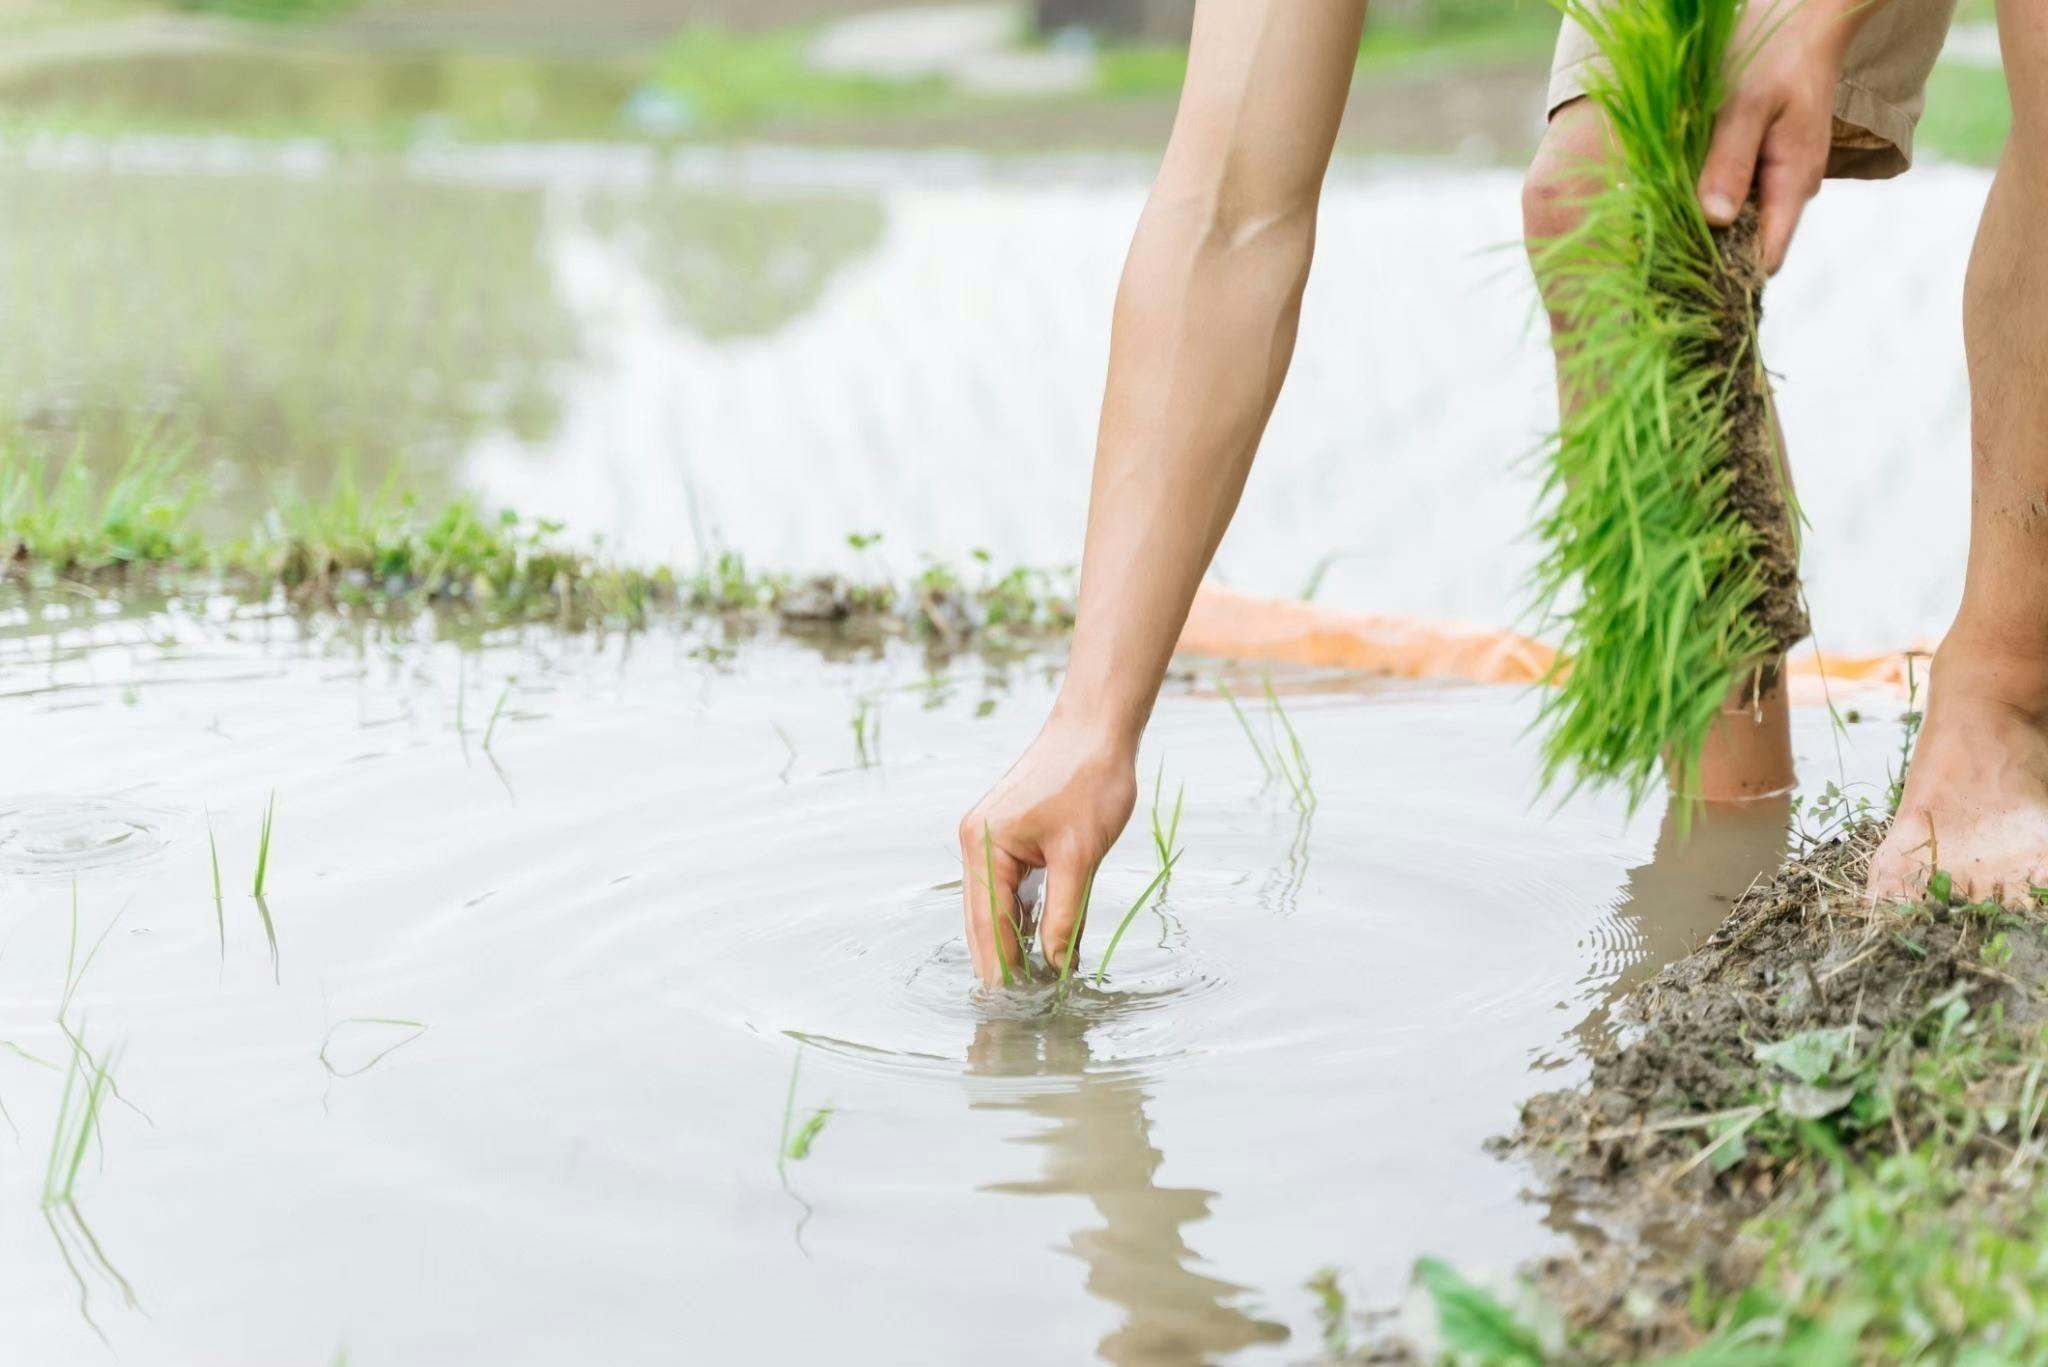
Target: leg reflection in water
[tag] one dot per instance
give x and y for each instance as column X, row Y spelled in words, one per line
column 1674, row 902
column 1099, row 1147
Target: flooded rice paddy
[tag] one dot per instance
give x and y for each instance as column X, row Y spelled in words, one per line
column 499, row 1067
column 764, row 350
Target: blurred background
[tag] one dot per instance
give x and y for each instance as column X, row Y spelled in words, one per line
column 763, row 275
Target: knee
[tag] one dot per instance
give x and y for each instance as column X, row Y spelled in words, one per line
column 1564, row 171
column 1549, row 208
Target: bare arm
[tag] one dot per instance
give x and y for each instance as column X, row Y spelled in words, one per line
column 1203, row 332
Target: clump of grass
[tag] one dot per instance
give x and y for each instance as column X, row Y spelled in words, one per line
column 55, row 514
column 385, row 552
column 1670, row 556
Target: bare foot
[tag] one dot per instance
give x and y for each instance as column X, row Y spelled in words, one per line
column 1976, row 800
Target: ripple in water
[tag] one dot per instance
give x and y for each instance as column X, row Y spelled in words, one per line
column 63, row 837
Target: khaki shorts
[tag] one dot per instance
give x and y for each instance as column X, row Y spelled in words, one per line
column 1883, row 87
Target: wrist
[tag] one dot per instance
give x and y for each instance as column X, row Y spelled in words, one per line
column 1093, row 728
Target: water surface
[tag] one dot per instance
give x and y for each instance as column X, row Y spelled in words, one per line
column 509, row 1085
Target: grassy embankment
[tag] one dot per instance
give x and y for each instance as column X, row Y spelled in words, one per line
column 384, row 553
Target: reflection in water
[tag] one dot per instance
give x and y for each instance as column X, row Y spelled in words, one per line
column 1682, row 895
column 730, row 266
column 1099, row 1147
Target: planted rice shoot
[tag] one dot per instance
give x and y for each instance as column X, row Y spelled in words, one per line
column 1166, row 836
column 1293, row 760
column 497, row 711
column 867, row 733
column 88, row 1083
column 1158, row 880
column 1670, row 542
column 1244, row 723
column 263, row 847
column 995, row 929
column 794, row 1144
column 220, row 912
column 1074, row 939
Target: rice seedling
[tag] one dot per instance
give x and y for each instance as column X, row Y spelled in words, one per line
column 790, row 746
column 1166, row 836
column 794, row 1144
column 497, row 711
column 88, row 1084
column 1293, row 761
column 1670, row 564
column 263, row 847
column 220, row 913
column 995, row 930
column 867, row 733
column 1158, row 881
column 1244, row 723
column 1074, row 940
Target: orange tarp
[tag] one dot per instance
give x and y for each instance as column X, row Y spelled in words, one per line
column 1290, row 631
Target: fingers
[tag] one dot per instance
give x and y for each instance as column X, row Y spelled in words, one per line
column 1731, row 161
column 988, row 896
column 1067, row 885
column 1787, row 182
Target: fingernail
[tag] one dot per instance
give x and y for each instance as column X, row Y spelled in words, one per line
column 1718, row 205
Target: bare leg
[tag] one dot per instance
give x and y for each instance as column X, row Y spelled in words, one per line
column 1976, row 796
column 1748, row 754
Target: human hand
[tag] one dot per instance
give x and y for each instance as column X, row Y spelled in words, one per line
column 1059, row 808
column 1776, row 127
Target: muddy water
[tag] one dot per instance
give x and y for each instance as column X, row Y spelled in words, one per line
column 497, row 1070
column 660, row 347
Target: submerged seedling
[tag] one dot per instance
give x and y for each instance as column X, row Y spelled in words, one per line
column 807, row 1134
column 794, row 1145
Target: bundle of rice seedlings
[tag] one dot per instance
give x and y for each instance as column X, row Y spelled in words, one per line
column 1670, row 568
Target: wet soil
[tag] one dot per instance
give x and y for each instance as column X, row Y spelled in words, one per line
column 1628, row 1162
column 1758, row 489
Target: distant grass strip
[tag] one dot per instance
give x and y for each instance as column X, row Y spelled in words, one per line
column 383, row 552
column 1670, row 558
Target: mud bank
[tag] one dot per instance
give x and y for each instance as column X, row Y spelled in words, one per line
column 1815, row 1139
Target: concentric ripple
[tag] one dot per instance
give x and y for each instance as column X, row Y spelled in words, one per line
column 47, row 836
